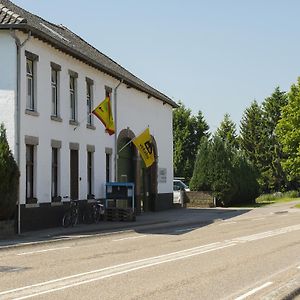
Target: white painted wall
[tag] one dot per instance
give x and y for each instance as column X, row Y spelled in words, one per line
column 135, row 110
column 8, row 85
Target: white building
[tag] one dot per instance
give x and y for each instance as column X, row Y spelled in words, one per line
column 50, row 80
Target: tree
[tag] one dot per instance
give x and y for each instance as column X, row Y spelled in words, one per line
column 9, row 178
column 227, row 131
column 252, row 140
column 202, row 174
column 272, row 171
column 288, row 131
column 187, row 133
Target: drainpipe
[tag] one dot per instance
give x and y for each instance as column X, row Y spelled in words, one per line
column 116, row 130
column 19, row 46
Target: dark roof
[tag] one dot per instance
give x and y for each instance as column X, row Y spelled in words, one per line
column 13, row 16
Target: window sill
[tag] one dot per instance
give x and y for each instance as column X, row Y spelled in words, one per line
column 31, row 113
column 90, row 127
column 74, row 123
column 56, row 118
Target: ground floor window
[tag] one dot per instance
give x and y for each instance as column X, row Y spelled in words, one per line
column 108, row 167
column 30, row 170
column 90, row 191
column 55, row 174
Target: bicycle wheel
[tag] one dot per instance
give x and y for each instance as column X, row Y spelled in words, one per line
column 66, row 221
column 75, row 216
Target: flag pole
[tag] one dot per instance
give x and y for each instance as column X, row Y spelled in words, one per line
column 132, row 140
column 116, row 130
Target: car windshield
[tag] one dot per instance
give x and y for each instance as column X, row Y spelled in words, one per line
column 179, row 185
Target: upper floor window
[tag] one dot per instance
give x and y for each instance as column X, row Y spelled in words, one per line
column 89, row 101
column 73, row 109
column 30, row 85
column 55, row 89
column 30, row 80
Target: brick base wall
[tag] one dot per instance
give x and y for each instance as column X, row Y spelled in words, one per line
column 7, row 228
column 199, row 199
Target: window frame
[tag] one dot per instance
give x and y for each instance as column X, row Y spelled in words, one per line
column 73, row 96
column 31, row 100
column 54, row 173
column 89, row 101
column 55, row 86
column 90, row 174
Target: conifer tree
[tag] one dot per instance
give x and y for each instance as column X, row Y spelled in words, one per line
column 187, row 133
column 9, row 178
column 227, row 131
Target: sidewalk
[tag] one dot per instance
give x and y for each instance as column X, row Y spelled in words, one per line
column 167, row 218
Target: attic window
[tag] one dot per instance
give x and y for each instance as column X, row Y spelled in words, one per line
column 55, row 33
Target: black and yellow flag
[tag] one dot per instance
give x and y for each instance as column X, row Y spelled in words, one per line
column 144, row 144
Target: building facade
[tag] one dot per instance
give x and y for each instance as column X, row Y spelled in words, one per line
column 50, row 81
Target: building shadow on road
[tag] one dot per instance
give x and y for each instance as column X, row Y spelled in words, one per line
column 183, row 220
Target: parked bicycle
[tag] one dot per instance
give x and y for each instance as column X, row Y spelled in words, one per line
column 71, row 216
column 98, row 211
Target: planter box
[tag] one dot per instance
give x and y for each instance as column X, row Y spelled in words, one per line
column 7, row 228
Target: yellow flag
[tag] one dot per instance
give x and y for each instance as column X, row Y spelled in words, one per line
column 144, row 144
column 104, row 113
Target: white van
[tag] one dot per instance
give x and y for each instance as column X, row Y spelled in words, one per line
column 179, row 186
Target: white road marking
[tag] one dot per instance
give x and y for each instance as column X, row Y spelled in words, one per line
column 254, row 291
column 129, row 238
column 42, row 251
column 299, row 267
column 258, row 219
column 87, row 277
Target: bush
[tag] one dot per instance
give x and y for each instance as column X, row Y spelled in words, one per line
column 9, row 178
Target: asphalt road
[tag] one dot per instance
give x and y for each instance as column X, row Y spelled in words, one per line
column 255, row 255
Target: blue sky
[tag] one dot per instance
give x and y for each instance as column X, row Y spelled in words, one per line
column 215, row 56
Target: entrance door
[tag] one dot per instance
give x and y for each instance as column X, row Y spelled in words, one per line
column 74, row 174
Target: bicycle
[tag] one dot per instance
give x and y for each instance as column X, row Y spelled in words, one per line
column 71, row 216
column 98, row 211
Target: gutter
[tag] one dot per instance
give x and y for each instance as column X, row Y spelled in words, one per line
column 19, row 46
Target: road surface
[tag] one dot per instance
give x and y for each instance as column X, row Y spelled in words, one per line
column 254, row 255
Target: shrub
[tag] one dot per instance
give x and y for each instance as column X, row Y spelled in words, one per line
column 9, row 178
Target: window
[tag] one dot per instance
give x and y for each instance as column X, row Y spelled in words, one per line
column 73, row 98
column 31, row 60
column 29, row 172
column 108, row 91
column 89, row 101
column 55, row 173
column 54, row 91
column 30, row 84
column 107, row 167
column 90, row 174
column 55, row 69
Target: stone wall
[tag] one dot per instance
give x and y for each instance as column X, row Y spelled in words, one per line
column 7, row 228
column 199, row 199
